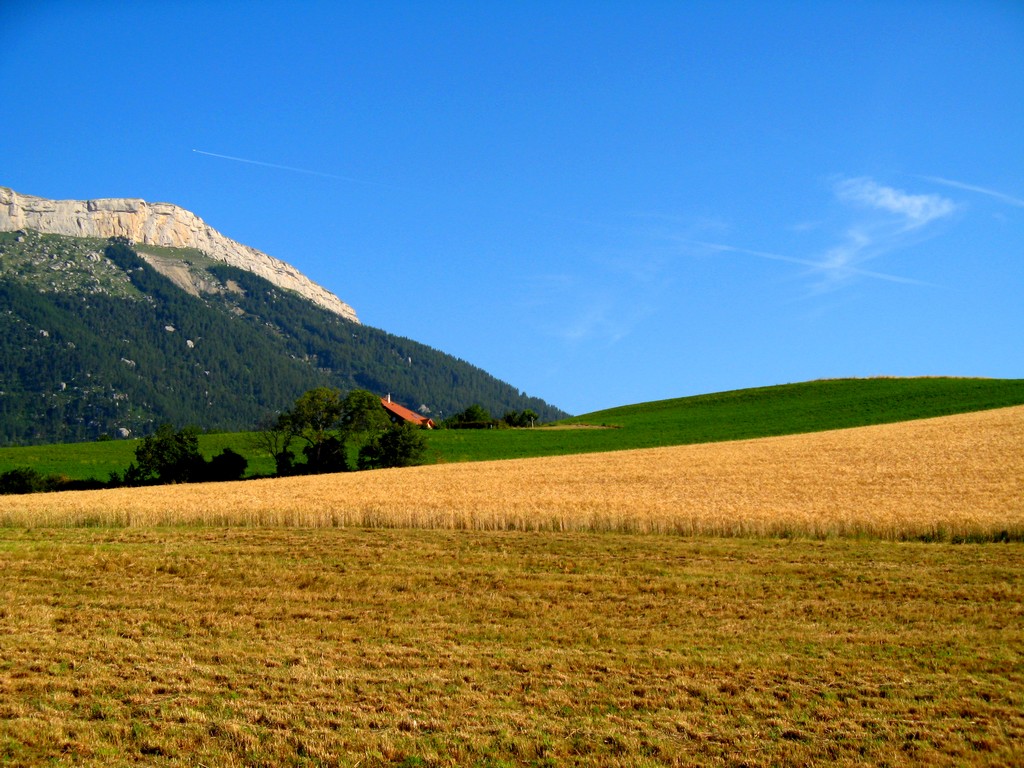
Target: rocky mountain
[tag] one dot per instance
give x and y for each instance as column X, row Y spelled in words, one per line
column 114, row 335
column 155, row 224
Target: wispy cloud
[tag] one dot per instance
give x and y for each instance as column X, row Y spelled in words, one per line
column 595, row 320
column 590, row 315
column 891, row 219
column 1008, row 199
column 915, row 210
column 601, row 305
column 880, row 220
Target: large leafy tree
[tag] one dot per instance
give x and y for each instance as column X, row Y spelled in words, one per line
column 226, row 465
column 167, row 456
column 275, row 437
column 362, row 417
column 314, row 419
column 401, row 445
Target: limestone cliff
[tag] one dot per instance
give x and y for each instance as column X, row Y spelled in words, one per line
column 155, row 224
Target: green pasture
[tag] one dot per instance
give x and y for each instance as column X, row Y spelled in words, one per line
column 738, row 415
column 81, row 461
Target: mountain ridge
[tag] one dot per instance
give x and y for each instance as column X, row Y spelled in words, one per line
column 156, row 224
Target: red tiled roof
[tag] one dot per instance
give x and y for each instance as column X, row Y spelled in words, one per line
column 407, row 415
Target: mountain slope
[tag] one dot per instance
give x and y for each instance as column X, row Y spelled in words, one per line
column 95, row 340
column 155, row 224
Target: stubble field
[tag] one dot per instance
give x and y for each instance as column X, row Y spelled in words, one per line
column 413, row 648
column 813, row 611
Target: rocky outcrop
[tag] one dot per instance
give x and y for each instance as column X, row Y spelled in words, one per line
column 156, row 224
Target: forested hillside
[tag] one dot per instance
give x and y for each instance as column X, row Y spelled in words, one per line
column 94, row 341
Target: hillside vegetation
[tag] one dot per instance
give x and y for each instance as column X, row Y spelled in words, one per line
column 94, row 340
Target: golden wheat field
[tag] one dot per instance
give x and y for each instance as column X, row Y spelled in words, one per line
column 946, row 478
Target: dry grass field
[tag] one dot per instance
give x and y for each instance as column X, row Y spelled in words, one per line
column 951, row 478
column 814, row 611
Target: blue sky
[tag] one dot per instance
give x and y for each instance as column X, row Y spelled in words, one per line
column 601, row 203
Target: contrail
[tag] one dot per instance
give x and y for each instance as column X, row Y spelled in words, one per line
column 815, row 265
column 294, row 169
column 1009, row 199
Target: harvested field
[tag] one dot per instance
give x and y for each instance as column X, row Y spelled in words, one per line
column 951, row 478
column 387, row 648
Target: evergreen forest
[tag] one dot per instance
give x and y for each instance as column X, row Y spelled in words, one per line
column 95, row 342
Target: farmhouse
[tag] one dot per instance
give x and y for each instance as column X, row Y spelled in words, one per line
column 398, row 413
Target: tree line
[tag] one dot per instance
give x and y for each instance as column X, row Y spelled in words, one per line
column 478, row 417
column 324, row 431
column 331, row 432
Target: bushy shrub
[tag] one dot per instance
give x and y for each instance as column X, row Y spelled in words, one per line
column 474, row 417
column 226, row 465
column 23, row 480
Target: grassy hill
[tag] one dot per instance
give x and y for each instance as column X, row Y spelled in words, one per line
column 740, row 414
column 737, row 415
